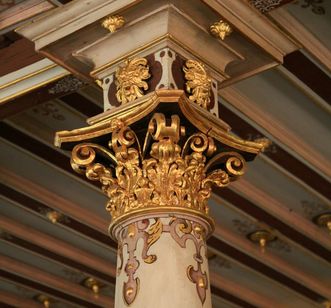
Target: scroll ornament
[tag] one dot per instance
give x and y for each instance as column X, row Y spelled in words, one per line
column 157, row 174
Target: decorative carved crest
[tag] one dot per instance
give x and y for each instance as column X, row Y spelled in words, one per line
column 198, row 83
column 130, row 80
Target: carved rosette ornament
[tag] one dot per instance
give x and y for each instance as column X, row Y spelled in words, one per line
column 157, row 160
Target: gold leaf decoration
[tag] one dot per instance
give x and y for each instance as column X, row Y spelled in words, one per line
column 166, row 175
column 130, row 80
column 198, row 83
column 113, row 23
column 220, row 29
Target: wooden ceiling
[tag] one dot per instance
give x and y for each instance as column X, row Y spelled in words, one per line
column 283, row 192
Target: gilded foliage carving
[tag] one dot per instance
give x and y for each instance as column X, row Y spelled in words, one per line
column 220, row 29
column 160, row 173
column 183, row 230
column 112, row 23
column 198, row 83
column 130, row 80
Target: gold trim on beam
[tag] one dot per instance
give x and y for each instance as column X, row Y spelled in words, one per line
column 10, row 83
column 19, row 93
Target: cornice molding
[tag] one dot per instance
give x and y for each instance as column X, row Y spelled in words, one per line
column 29, row 78
column 69, row 18
column 303, row 36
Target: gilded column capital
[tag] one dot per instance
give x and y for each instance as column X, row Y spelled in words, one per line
column 159, row 153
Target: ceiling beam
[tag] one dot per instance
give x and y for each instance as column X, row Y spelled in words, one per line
column 14, row 300
column 276, row 129
column 309, row 73
column 247, row 295
column 272, row 260
column 19, row 54
column 77, row 294
column 63, row 86
column 102, row 269
column 15, row 15
column 279, row 156
column 302, row 226
column 302, row 35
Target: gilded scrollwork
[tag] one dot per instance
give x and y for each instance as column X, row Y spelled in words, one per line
column 160, row 174
column 130, row 80
column 129, row 237
column 198, row 83
column 183, row 230
column 170, row 177
column 150, row 231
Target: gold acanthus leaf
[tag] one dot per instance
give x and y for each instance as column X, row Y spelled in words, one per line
column 130, row 80
column 198, row 83
column 220, row 29
column 171, row 175
column 112, row 23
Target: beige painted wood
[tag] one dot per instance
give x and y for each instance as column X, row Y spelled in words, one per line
column 255, row 26
column 31, row 272
column 276, row 129
column 69, row 18
column 302, row 35
column 16, row 301
column 51, row 243
column 281, row 211
column 164, row 282
column 272, row 260
column 244, row 293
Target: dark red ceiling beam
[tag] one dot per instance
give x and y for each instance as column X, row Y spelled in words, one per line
column 19, row 54
column 41, row 209
column 309, row 73
column 15, row 278
column 260, row 267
